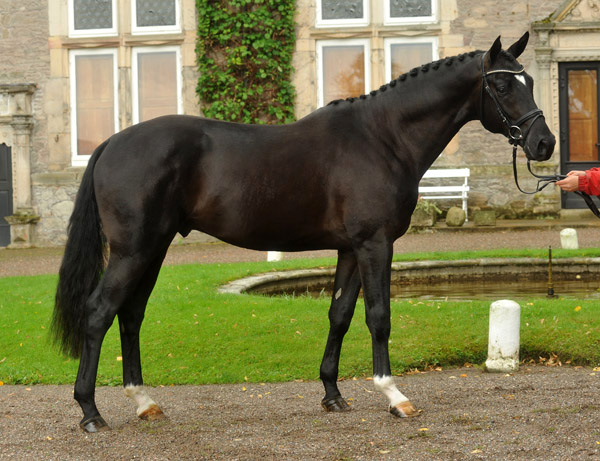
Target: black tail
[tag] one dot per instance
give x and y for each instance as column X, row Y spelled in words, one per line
column 82, row 265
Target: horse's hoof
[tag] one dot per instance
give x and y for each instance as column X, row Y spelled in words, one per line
column 404, row 410
column 94, row 424
column 336, row 404
column 152, row 413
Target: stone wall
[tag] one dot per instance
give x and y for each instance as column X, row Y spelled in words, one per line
column 25, row 59
column 34, row 44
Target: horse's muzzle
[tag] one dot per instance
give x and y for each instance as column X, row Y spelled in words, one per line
column 539, row 148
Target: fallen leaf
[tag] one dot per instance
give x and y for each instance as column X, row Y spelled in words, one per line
column 578, row 308
column 463, row 375
column 119, row 358
column 243, row 389
column 1, row 383
column 384, row 452
column 477, row 450
column 423, row 429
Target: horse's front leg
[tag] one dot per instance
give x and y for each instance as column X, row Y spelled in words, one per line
column 374, row 260
column 343, row 302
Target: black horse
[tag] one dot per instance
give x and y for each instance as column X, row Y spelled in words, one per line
column 345, row 177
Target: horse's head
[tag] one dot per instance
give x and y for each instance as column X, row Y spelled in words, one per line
column 507, row 104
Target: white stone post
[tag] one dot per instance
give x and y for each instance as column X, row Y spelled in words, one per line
column 504, row 337
column 274, row 256
column 568, row 239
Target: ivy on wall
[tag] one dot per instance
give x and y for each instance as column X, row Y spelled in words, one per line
column 244, row 51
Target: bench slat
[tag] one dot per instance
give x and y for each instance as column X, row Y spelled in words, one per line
column 450, row 173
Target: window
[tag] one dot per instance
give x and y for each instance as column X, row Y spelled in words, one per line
column 94, row 111
column 409, row 11
column 92, row 18
column 154, row 16
column 403, row 54
column 332, row 13
column 156, row 82
column 343, row 69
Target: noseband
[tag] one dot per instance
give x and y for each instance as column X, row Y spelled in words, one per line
column 516, row 135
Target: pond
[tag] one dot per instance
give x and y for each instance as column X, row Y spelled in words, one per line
column 487, row 279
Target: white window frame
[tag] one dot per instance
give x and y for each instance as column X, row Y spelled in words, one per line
column 144, row 30
column 388, row 42
column 135, row 74
column 113, row 31
column 389, row 21
column 355, row 22
column 76, row 159
column 349, row 42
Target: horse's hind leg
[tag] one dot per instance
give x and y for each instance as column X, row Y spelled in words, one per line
column 130, row 317
column 119, row 282
column 343, row 302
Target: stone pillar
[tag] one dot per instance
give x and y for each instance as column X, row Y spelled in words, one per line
column 16, row 123
column 21, row 125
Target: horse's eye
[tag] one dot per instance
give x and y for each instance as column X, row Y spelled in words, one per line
column 501, row 89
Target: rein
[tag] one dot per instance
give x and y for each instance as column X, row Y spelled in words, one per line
column 516, row 136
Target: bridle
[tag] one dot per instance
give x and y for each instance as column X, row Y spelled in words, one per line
column 517, row 136
column 515, row 133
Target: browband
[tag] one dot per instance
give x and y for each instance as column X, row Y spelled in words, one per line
column 497, row 71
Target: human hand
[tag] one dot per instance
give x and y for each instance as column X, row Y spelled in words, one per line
column 576, row 173
column 570, row 183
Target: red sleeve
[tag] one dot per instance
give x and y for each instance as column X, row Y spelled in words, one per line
column 590, row 183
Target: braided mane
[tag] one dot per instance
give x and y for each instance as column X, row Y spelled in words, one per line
column 415, row 72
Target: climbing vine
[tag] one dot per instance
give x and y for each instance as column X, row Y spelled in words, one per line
column 244, row 50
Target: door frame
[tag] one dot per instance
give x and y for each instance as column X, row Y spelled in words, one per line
column 573, row 201
column 6, row 186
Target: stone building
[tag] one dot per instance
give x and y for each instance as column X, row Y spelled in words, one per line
column 75, row 71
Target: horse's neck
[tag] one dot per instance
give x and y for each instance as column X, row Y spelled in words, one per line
column 428, row 113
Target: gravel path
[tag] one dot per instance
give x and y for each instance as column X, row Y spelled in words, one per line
column 47, row 260
column 541, row 413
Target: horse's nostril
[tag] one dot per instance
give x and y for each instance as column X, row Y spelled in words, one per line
column 546, row 147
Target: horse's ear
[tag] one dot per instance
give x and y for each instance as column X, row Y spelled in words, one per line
column 517, row 48
column 495, row 50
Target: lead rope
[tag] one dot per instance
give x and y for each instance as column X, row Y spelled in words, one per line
column 544, row 181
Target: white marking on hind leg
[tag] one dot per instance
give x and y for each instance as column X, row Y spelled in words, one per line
column 139, row 395
column 385, row 385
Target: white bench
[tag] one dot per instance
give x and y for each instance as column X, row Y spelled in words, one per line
column 458, row 191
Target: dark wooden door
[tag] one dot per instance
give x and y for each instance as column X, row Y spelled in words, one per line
column 579, row 121
column 6, row 195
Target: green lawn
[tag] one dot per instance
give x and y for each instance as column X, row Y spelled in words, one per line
column 192, row 335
